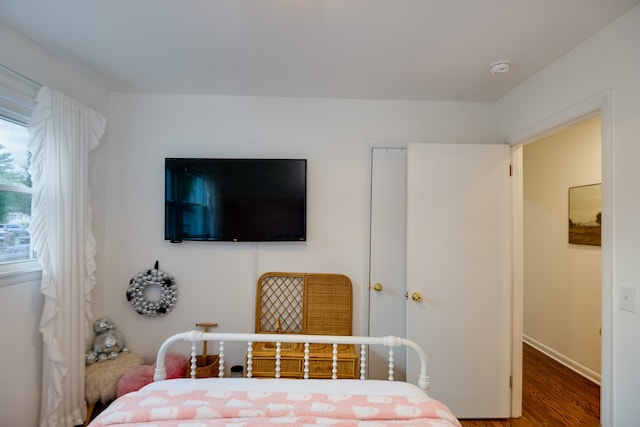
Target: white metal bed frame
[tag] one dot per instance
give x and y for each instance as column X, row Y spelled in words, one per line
column 195, row 337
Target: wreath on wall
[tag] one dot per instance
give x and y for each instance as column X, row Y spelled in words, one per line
column 139, row 289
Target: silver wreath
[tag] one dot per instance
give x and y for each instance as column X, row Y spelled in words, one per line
column 137, row 293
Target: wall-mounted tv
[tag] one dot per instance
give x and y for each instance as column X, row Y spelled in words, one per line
column 236, row 200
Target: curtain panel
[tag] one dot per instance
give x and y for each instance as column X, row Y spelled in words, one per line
column 63, row 132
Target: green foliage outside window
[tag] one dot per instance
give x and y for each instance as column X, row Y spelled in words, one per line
column 13, row 201
column 15, row 193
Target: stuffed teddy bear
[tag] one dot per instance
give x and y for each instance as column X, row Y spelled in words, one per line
column 108, row 343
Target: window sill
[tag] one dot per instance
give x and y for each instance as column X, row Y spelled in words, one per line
column 19, row 272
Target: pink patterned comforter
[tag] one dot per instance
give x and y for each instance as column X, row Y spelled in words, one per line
column 202, row 408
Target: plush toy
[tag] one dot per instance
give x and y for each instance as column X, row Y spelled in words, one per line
column 108, row 343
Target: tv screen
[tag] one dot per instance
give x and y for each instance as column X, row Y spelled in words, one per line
column 254, row 200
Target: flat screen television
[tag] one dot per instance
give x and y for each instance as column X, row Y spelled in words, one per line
column 252, row 200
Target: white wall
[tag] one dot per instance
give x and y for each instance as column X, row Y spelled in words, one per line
column 217, row 281
column 20, row 299
column 609, row 60
column 562, row 281
column 20, row 307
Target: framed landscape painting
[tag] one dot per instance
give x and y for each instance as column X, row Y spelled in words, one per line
column 585, row 214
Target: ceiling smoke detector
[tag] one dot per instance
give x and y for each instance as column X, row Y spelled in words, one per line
column 500, row 67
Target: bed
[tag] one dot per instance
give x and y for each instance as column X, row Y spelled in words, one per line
column 305, row 401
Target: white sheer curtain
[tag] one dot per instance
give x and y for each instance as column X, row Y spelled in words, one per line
column 62, row 134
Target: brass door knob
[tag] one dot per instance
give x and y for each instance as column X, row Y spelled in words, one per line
column 416, row 296
column 377, row 286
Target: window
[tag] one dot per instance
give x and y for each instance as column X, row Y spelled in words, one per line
column 15, row 193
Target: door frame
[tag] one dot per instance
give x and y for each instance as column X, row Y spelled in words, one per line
column 601, row 104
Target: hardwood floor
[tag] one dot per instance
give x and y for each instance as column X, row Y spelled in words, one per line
column 552, row 396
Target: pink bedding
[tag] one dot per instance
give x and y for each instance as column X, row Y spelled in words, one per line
column 201, row 408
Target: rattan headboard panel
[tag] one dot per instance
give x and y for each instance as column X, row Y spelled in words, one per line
column 328, row 304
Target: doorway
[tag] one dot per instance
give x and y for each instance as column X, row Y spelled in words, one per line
column 600, row 103
column 562, row 278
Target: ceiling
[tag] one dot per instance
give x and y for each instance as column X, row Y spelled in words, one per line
column 368, row 49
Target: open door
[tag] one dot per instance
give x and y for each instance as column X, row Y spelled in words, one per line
column 459, row 273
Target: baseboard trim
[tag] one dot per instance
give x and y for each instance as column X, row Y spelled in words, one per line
column 560, row 358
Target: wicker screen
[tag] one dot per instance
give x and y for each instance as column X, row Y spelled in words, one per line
column 317, row 304
column 308, row 303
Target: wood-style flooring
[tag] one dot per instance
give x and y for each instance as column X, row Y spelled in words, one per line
column 552, row 396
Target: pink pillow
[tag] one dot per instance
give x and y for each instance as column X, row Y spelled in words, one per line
column 176, row 365
column 134, row 379
column 138, row 376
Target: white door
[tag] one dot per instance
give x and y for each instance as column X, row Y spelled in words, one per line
column 387, row 272
column 459, row 262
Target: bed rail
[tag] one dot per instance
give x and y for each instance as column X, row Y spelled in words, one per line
column 195, row 337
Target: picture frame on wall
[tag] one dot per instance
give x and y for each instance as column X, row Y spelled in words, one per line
column 585, row 215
